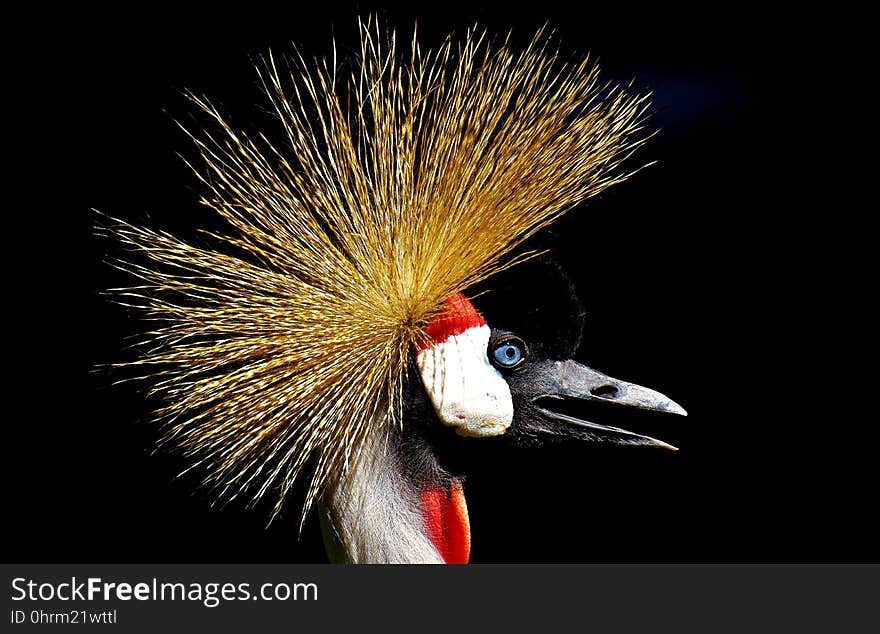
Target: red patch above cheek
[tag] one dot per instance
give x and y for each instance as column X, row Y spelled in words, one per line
column 446, row 520
column 458, row 316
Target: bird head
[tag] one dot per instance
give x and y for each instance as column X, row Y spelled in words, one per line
column 519, row 378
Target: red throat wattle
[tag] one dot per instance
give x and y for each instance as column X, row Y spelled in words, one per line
column 446, row 520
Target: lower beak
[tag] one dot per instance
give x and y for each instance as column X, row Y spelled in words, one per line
column 571, row 381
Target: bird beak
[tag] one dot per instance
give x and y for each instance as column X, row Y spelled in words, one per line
column 569, row 383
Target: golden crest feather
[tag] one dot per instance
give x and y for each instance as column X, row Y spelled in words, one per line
column 398, row 184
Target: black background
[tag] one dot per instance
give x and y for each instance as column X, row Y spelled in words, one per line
column 687, row 271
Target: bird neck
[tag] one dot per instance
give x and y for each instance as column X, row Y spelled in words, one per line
column 396, row 505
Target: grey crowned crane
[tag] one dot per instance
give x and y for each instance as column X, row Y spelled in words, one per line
column 329, row 328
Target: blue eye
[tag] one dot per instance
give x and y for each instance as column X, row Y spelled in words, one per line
column 509, row 354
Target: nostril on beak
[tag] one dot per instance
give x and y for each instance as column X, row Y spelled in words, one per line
column 605, row 391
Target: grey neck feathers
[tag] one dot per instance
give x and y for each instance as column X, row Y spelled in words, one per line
column 372, row 514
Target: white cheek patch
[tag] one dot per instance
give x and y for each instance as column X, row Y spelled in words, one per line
column 468, row 393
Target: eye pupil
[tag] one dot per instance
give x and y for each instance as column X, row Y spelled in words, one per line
column 510, row 352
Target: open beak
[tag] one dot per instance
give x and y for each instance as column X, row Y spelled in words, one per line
column 568, row 383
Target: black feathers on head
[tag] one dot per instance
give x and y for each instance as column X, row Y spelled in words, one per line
column 537, row 302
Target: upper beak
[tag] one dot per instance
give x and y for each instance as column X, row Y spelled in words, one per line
column 571, row 381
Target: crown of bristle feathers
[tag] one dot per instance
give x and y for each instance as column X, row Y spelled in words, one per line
column 396, row 186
